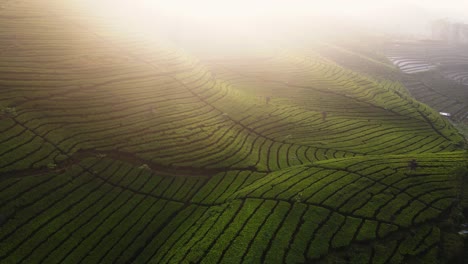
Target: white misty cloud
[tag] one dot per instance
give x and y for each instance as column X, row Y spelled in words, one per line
column 253, row 16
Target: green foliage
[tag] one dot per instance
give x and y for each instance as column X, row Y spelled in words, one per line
column 452, row 247
column 9, row 111
column 51, row 166
column 197, row 170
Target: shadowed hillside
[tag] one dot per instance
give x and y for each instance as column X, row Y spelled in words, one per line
column 129, row 150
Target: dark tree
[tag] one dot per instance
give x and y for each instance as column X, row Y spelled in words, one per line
column 413, row 164
column 324, row 116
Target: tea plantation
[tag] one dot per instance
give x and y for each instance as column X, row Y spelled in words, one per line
column 128, row 150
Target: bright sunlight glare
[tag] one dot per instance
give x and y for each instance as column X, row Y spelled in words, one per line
column 231, row 21
column 258, row 8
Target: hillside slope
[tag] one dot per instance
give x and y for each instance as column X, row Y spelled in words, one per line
column 119, row 149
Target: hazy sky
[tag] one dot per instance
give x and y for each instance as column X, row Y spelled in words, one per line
column 395, row 16
column 457, row 8
column 246, row 7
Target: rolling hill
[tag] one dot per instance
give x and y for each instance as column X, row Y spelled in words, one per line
column 127, row 150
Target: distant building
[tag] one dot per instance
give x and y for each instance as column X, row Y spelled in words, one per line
column 444, row 30
column 445, row 114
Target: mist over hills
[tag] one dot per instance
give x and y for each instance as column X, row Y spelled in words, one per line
column 243, row 136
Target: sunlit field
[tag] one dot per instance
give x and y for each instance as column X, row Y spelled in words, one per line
column 228, row 132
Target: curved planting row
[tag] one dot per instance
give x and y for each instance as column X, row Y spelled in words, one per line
column 73, row 211
column 299, row 214
column 435, row 95
column 113, row 149
column 137, row 106
column 444, row 86
column 425, row 56
column 101, row 209
column 411, row 66
column 364, row 59
column 357, row 105
column 162, row 105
